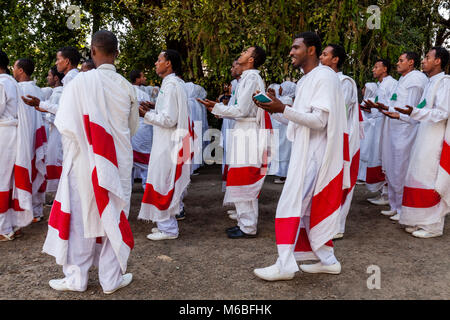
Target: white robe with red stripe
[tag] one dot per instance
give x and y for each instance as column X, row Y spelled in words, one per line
column 17, row 134
column 170, row 160
column 54, row 155
column 302, row 226
column 350, row 92
column 247, row 161
column 98, row 155
column 426, row 196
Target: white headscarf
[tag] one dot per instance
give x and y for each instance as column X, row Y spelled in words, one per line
column 288, row 88
column 371, row 88
column 276, row 87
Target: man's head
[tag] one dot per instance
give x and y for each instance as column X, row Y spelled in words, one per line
column 435, row 60
column 87, row 65
column 381, row 69
column 4, row 62
column 104, row 47
column 333, row 56
column 252, row 58
column 169, row 61
column 137, row 78
column 23, row 69
column 236, row 69
column 306, row 47
column 407, row 62
column 67, row 58
column 54, row 77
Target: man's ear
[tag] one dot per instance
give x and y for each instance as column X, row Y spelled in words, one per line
column 116, row 54
column 311, row 51
column 93, row 51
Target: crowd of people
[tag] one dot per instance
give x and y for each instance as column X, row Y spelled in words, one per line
column 84, row 139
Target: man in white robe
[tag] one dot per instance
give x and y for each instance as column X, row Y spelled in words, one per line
column 426, row 195
column 142, row 140
column 169, row 166
column 375, row 177
column 399, row 135
column 23, row 69
column 17, row 132
column 88, row 222
column 334, row 57
column 246, row 170
column 307, row 215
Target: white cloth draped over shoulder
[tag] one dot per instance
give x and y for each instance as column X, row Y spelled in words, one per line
column 96, row 128
column 170, row 160
column 247, row 161
column 317, row 155
column 18, row 134
column 426, row 195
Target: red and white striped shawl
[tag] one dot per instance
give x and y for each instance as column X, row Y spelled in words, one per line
column 320, row 89
column 95, row 151
column 426, row 195
column 170, row 160
column 20, row 197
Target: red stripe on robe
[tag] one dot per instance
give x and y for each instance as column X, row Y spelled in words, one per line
column 286, row 230
column 22, row 179
column 420, row 198
column 40, row 138
column 125, row 230
column 102, row 142
column 346, row 148
column 60, row 220
column 354, row 167
column 374, row 175
column 327, row 201
column 54, row 172
column 445, row 157
column 244, row 176
column 140, row 157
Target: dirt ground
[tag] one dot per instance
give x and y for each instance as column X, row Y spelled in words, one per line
column 204, row 264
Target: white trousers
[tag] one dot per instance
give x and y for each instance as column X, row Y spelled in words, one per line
column 247, row 215
column 83, row 252
column 6, row 222
column 437, row 228
column 169, row 226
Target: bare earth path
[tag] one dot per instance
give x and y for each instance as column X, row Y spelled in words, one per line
column 204, row 264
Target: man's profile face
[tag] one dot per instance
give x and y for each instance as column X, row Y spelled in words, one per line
column 161, row 65
column 246, row 56
column 299, row 53
column 61, row 62
column 378, row 69
column 50, row 79
column 429, row 62
column 142, row 79
column 403, row 64
column 326, row 58
column 16, row 70
column 235, row 69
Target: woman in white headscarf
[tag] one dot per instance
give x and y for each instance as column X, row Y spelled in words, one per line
column 280, row 163
column 369, row 93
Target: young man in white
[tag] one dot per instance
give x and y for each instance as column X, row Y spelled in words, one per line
column 245, row 175
column 334, row 57
column 375, row 177
column 426, row 195
column 307, row 215
column 399, row 135
column 170, row 161
column 97, row 115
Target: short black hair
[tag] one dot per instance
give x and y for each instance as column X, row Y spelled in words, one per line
column 27, row 65
column 105, row 41
column 175, row 59
column 441, row 53
column 385, row 63
column 90, row 63
column 259, row 56
column 72, row 54
column 311, row 39
column 134, row 75
column 4, row 60
column 55, row 73
column 338, row 51
column 411, row 55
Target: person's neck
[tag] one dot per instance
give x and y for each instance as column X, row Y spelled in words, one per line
column 247, row 67
column 106, row 60
column 309, row 65
column 69, row 69
column 24, row 79
column 335, row 68
column 58, row 84
column 165, row 74
column 406, row 72
column 2, row 71
column 380, row 78
column 434, row 72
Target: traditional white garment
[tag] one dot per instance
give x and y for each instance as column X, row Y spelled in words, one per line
column 350, row 92
column 280, row 160
column 46, row 92
column 426, row 195
column 17, row 132
column 399, row 135
column 201, row 94
column 375, row 178
column 54, row 155
column 169, row 166
column 93, row 198
column 197, row 123
column 227, row 124
column 370, row 94
column 40, row 149
column 307, row 215
column 247, row 155
column 142, row 141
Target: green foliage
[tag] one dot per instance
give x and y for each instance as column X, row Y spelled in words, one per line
column 210, row 34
